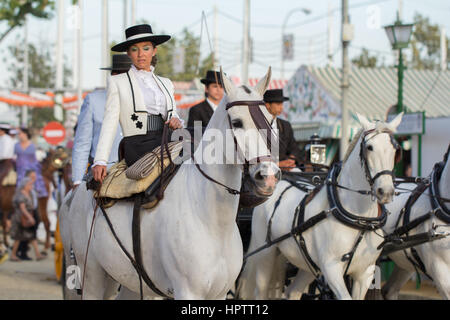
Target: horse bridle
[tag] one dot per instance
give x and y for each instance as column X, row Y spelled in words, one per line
column 363, row 155
column 261, row 123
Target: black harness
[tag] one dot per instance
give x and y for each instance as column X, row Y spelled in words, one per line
column 399, row 238
column 299, row 225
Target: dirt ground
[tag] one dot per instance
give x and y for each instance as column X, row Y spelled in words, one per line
column 29, row 280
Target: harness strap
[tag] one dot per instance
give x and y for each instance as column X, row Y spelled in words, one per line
column 277, row 203
column 414, row 223
column 140, row 271
column 349, row 256
column 300, row 216
column 230, row 190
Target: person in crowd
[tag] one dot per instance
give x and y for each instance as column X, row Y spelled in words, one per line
column 139, row 100
column 22, row 251
column 289, row 152
column 89, row 125
column 25, row 152
column 213, row 95
column 24, row 223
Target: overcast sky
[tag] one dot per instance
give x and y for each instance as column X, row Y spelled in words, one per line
column 266, row 18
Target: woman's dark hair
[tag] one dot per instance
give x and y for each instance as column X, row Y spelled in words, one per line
column 154, row 61
column 27, row 132
column 29, row 171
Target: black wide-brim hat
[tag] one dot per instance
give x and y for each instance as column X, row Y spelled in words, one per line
column 212, row 77
column 139, row 33
column 120, row 62
column 274, row 95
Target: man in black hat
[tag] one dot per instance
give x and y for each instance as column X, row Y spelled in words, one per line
column 89, row 124
column 214, row 93
column 289, row 152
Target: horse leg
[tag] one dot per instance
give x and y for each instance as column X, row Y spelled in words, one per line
column 96, row 281
column 112, row 288
column 5, row 228
column 264, row 273
column 395, row 282
column 127, row 294
column 441, row 275
column 334, row 276
column 295, row 290
column 362, row 282
column 42, row 207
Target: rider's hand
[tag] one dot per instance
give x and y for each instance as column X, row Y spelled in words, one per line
column 287, row 164
column 174, row 123
column 99, row 172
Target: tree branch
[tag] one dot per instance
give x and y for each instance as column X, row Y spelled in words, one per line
column 6, row 33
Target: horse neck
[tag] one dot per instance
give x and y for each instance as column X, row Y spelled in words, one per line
column 444, row 183
column 214, row 195
column 353, row 176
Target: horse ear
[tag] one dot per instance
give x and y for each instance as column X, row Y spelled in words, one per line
column 228, row 85
column 363, row 121
column 396, row 122
column 262, row 84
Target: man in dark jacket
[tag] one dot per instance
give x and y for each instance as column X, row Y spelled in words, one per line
column 214, row 93
column 289, row 152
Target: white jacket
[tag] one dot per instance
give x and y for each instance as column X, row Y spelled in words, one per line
column 125, row 104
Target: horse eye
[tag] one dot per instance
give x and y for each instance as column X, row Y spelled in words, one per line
column 237, row 123
column 370, row 148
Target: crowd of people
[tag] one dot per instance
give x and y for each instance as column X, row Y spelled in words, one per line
column 18, row 163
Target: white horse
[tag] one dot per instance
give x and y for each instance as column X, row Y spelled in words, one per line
column 435, row 255
column 329, row 240
column 191, row 247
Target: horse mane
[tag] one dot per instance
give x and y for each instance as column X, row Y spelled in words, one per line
column 353, row 144
column 379, row 127
column 447, row 153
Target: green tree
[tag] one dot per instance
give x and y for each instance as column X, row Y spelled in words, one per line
column 41, row 74
column 13, row 12
column 425, row 44
column 365, row 60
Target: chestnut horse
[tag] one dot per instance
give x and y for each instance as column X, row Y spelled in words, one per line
column 6, row 196
column 59, row 159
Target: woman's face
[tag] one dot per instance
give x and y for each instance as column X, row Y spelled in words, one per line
column 23, row 136
column 141, row 54
column 29, row 186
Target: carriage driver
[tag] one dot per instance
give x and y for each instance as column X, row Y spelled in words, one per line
column 90, row 124
column 213, row 93
column 139, row 99
column 289, row 152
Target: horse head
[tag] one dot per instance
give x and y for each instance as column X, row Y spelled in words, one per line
column 252, row 136
column 378, row 154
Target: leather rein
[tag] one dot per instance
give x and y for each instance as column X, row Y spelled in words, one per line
column 261, row 123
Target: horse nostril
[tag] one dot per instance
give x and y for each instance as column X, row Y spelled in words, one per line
column 380, row 191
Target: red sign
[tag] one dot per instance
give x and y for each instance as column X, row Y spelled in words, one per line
column 54, row 133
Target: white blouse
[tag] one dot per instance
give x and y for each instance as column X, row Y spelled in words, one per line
column 154, row 98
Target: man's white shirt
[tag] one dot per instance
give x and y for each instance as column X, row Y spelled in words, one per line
column 6, row 147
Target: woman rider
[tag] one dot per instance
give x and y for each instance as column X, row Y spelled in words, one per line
column 140, row 100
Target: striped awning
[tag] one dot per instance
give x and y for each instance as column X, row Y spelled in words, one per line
column 274, row 83
column 303, row 131
column 373, row 91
